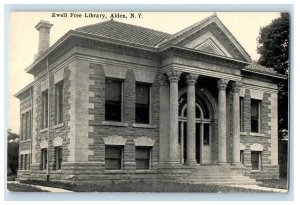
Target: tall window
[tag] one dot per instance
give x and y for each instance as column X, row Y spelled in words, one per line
column 57, row 157
column 206, row 134
column 142, row 157
column 59, row 102
column 255, row 115
column 113, row 100
column 242, row 156
column 44, row 159
column 25, row 162
column 22, row 127
column 44, row 109
column 256, row 160
column 113, row 157
column 241, row 114
column 21, row 162
column 142, row 103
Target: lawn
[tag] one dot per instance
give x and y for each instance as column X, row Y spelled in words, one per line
column 16, row 187
column 274, row 183
column 143, row 187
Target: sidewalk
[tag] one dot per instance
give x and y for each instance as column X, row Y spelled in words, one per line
column 259, row 188
column 45, row 188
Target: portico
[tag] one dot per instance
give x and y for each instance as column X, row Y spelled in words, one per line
column 192, row 115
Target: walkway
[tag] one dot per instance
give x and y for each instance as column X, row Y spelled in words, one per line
column 45, row 188
column 259, row 188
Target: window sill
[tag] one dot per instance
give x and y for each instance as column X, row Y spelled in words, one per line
column 107, row 171
column 139, row 125
column 144, row 171
column 255, row 171
column 112, row 123
column 243, row 133
column 44, row 130
column 256, row 134
column 27, row 140
column 58, row 126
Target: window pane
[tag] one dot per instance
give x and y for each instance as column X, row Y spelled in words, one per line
column 255, row 160
column 242, row 156
column 112, row 90
column 113, row 164
column 206, row 134
column 142, row 164
column 142, row 93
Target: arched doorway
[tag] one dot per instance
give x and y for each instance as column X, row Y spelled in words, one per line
column 203, row 134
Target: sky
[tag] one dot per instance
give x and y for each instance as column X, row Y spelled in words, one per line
column 23, row 38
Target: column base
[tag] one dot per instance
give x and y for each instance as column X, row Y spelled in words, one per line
column 222, row 163
column 191, row 162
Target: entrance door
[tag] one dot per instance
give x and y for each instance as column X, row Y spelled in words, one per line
column 202, row 137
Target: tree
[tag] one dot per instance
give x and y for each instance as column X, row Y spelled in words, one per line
column 12, row 152
column 273, row 45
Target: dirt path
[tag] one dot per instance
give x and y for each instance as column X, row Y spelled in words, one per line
column 45, row 188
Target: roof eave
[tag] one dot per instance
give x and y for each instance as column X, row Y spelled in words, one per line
column 273, row 75
column 17, row 95
column 88, row 36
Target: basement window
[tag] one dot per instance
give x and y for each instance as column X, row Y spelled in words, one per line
column 143, row 158
column 44, row 159
column 113, row 100
column 21, row 162
column 113, row 157
column 256, row 160
column 242, row 156
column 57, row 157
column 142, row 103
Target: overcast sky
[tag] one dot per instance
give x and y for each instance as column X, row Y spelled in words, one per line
column 23, row 38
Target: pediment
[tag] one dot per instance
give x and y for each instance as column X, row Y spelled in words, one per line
column 208, row 43
column 211, row 36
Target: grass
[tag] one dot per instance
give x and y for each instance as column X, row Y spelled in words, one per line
column 143, row 187
column 274, row 183
column 14, row 187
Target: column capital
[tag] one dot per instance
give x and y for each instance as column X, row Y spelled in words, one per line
column 222, row 84
column 173, row 75
column 236, row 86
column 163, row 79
column 191, row 79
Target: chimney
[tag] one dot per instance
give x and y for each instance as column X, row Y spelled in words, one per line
column 44, row 36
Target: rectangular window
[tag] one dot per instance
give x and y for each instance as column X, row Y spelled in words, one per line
column 113, row 100
column 25, row 162
column 44, row 159
column 241, row 114
column 142, row 103
column 22, row 126
column 255, row 115
column 57, row 157
column 29, row 125
column 256, row 160
column 142, row 158
column 113, row 157
column 21, row 162
column 59, row 102
column 44, row 109
column 206, row 134
column 242, row 156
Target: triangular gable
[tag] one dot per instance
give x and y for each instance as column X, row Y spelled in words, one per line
column 218, row 33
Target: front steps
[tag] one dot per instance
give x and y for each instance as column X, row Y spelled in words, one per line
column 216, row 174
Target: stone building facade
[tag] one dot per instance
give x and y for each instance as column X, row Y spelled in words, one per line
column 114, row 101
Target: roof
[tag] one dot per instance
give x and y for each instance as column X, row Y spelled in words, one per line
column 28, row 86
column 126, row 32
column 256, row 66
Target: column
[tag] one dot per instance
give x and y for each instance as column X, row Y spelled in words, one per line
column 191, row 126
column 182, row 142
column 173, row 136
column 222, row 84
column 236, row 123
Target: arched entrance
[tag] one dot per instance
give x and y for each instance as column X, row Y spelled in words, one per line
column 203, row 134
